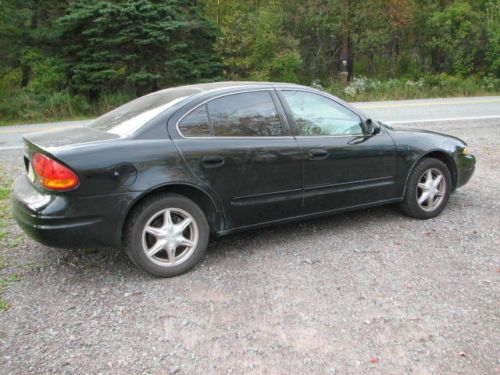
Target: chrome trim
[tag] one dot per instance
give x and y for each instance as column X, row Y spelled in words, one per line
column 363, row 181
column 334, row 136
column 241, row 137
column 282, row 192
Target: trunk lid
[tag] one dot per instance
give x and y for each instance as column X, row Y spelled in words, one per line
column 66, row 137
column 53, row 143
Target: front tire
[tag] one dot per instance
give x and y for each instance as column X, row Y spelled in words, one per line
column 166, row 235
column 428, row 189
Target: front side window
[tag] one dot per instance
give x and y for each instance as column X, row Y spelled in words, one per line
column 316, row 115
column 245, row 114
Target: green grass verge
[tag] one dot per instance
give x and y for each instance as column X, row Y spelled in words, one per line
column 7, row 276
column 28, row 106
column 439, row 86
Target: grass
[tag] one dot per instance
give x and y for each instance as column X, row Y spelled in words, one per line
column 368, row 89
column 4, row 194
column 30, row 106
column 27, row 107
column 7, row 276
column 4, row 305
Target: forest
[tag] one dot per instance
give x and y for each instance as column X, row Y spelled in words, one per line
column 71, row 59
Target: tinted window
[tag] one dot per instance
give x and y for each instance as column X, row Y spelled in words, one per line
column 317, row 115
column 196, row 124
column 245, row 114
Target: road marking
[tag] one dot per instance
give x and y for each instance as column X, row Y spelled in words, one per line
column 403, row 105
column 442, row 120
column 11, row 148
column 32, row 130
column 365, row 106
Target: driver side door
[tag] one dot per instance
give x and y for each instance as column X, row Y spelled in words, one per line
column 342, row 166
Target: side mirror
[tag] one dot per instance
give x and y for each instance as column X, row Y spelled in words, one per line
column 371, row 128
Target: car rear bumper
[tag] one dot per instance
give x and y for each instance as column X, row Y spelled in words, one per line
column 466, row 165
column 58, row 221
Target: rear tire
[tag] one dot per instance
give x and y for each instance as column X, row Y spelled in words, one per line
column 428, row 189
column 166, row 235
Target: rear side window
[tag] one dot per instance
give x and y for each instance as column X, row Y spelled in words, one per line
column 130, row 117
column 196, row 124
column 249, row 114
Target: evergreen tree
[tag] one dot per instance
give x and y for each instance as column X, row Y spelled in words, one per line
column 137, row 44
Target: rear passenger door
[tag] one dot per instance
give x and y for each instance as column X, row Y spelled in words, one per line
column 240, row 145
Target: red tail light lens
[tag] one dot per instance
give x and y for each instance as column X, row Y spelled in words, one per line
column 53, row 175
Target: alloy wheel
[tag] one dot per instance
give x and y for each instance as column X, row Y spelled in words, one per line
column 170, row 237
column 431, row 189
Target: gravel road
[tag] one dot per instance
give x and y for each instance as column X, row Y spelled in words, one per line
column 365, row 292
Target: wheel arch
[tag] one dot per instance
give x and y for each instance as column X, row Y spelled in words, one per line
column 441, row 155
column 210, row 207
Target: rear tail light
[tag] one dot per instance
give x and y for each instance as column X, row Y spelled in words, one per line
column 53, row 175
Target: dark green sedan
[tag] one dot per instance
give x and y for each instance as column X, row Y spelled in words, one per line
column 161, row 174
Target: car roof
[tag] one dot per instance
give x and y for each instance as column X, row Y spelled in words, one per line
column 194, row 95
column 235, row 84
column 199, row 88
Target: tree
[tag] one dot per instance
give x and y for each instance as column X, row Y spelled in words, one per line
column 137, row 44
column 455, row 38
column 23, row 28
column 316, row 25
column 254, row 44
column 492, row 45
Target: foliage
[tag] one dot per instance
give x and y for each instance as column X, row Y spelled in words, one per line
column 47, row 73
column 492, row 49
column 456, row 36
column 13, row 22
column 254, row 44
column 138, row 44
column 317, row 27
column 362, row 88
column 61, row 59
column 23, row 106
column 4, row 194
column 26, row 106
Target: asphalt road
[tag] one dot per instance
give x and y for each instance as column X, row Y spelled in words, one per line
column 366, row 292
column 391, row 112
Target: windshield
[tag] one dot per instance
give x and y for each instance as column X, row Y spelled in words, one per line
column 128, row 118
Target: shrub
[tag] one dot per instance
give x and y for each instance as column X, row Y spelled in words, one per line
column 363, row 88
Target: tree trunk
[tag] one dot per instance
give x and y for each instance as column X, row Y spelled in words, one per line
column 26, row 69
column 344, row 54
column 218, row 13
column 26, row 73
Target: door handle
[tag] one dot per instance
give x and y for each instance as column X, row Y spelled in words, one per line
column 318, row 154
column 213, row 161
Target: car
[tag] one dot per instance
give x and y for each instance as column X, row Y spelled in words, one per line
column 162, row 174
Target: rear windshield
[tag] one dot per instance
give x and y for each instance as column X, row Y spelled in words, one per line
column 128, row 118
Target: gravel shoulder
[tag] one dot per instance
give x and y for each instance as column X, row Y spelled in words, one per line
column 325, row 296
